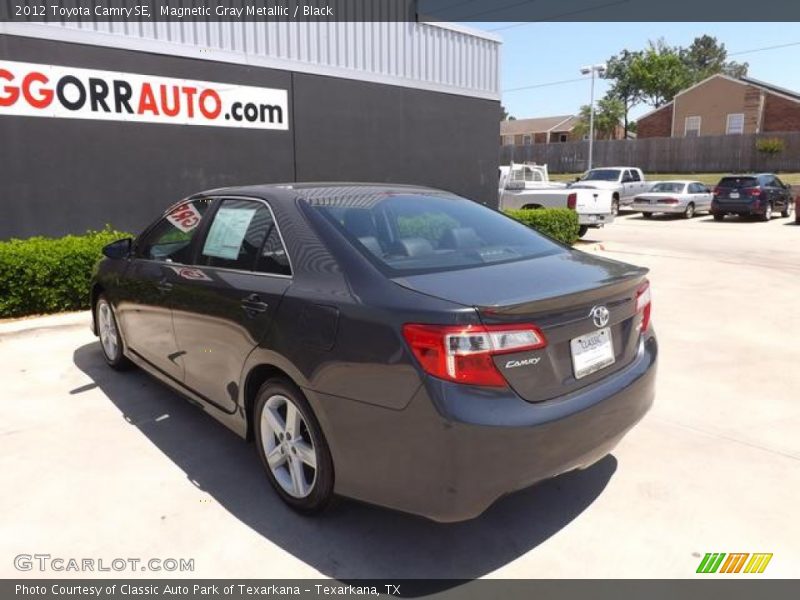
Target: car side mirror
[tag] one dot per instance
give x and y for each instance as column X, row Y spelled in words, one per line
column 119, row 249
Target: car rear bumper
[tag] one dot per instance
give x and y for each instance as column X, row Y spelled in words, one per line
column 454, row 450
column 659, row 208
column 597, row 219
column 739, row 208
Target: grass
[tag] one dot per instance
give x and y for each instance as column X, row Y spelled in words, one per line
column 707, row 178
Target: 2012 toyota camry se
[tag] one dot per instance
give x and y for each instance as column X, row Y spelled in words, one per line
column 398, row 345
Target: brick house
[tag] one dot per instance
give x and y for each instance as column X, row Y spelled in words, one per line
column 721, row 105
column 541, row 130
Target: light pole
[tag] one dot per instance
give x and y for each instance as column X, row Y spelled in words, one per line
column 591, row 70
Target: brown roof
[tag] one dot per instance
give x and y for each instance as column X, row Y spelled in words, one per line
column 538, row 125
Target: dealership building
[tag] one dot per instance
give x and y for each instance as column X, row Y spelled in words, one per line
column 108, row 123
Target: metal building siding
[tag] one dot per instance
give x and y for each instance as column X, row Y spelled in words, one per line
column 439, row 57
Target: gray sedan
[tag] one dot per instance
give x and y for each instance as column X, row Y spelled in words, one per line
column 674, row 197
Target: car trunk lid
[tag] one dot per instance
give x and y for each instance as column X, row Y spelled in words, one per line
column 556, row 293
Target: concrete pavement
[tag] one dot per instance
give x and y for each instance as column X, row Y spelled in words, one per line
column 101, row 464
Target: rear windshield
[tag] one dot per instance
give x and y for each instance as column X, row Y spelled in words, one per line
column 601, row 175
column 671, row 187
column 738, row 182
column 408, row 234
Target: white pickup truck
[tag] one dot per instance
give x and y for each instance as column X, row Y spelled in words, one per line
column 624, row 183
column 526, row 185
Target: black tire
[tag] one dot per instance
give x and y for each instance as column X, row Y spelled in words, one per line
column 114, row 357
column 718, row 216
column 787, row 210
column 582, row 230
column 321, row 491
column 647, row 215
column 615, row 206
column 767, row 216
column 689, row 212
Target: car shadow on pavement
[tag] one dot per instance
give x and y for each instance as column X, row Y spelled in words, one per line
column 351, row 540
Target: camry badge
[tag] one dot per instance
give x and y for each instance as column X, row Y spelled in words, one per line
column 600, row 316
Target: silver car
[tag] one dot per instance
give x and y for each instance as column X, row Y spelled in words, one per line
column 674, row 197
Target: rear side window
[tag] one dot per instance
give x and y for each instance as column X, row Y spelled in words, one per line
column 409, row 233
column 170, row 240
column 244, row 236
column 738, row 182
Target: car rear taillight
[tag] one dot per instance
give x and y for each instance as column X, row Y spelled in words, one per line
column 668, row 201
column 463, row 353
column 643, row 305
column 717, row 190
column 572, row 201
column 754, row 192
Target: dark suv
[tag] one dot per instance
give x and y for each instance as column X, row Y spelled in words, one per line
column 748, row 195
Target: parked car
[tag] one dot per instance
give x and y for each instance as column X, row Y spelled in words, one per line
column 395, row 344
column 624, row 183
column 528, row 186
column 752, row 195
column 674, row 197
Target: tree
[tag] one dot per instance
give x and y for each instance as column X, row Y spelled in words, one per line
column 625, row 87
column 654, row 75
column 607, row 118
column 504, row 116
column 706, row 56
column 660, row 72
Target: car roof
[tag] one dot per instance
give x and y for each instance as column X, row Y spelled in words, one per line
column 324, row 189
column 677, row 181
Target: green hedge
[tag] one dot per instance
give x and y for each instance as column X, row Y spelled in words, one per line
column 559, row 223
column 45, row 275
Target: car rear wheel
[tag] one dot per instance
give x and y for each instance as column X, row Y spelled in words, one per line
column 292, row 448
column 647, row 215
column 718, row 216
column 582, row 230
column 108, row 331
column 788, row 210
column 689, row 212
column 767, row 216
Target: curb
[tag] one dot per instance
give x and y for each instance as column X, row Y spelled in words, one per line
column 58, row 321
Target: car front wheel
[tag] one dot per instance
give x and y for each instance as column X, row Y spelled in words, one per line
column 108, row 331
column 292, row 448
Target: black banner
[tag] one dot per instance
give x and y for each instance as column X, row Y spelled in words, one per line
column 308, row 589
column 39, row 11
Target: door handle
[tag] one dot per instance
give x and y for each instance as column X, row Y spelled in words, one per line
column 253, row 305
column 164, row 286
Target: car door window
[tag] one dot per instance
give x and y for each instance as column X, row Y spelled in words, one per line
column 779, row 183
column 696, row 188
column 273, row 258
column 171, row 238
column 634, row 175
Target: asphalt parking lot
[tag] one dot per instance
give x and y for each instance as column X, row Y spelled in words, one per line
column 100, row 464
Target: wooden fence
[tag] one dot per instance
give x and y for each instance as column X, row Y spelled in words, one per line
column 722, row 153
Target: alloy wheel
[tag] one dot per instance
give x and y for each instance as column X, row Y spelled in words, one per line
column 109, row 337
column 288, row 446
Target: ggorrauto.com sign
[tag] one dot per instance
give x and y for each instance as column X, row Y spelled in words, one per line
column 35, row 90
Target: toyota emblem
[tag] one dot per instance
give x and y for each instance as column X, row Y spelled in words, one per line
column 600, row 316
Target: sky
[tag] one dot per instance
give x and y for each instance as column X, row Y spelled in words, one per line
column 540, row 53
